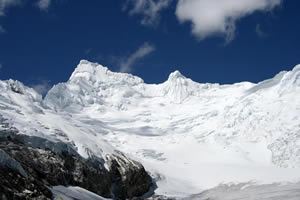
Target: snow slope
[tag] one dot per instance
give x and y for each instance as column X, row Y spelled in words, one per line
column 73, row 193
column 249, row 191
column 190, row 136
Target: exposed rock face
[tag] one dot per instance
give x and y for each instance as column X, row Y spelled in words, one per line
column 15, row 186
column 129, row 180
column 44, row 168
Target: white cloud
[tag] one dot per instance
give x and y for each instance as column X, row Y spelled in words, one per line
column 219, row 17
column 4, row 4
column 260, row 32
column 43, row 4
column 148, row 9
column 42, row 87
column 141, row 52
column 88, row 51
column 2, row 30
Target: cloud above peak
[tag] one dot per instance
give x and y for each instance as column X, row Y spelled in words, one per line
column 260, row 33
column 148, row 9
column 2, row 30
column 43, row 4
column 219, row 17
column 41, row 86
column 4, row 4
column 127, row 64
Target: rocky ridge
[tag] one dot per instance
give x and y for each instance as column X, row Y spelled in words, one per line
column 29, row 173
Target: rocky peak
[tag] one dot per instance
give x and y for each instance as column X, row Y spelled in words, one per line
column 96, row 73
column 16, row 86
column 176, row 75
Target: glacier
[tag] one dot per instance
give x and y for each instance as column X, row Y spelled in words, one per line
column 190, row 136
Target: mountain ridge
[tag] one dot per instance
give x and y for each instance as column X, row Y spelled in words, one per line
column 248, row 131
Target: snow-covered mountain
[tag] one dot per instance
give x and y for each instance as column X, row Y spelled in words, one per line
column 190, row 136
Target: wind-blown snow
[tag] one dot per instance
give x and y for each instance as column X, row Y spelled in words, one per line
column 249, row 191
column 190, row 136
column 73, row 193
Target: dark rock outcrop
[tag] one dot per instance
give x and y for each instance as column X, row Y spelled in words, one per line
column 128, row 178
column 44, row 168
column 14, row 186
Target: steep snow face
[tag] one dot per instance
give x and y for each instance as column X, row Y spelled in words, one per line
column 23, row 109
column 191, row 136
column 15, row 96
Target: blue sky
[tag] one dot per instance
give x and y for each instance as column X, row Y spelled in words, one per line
column 41, row 42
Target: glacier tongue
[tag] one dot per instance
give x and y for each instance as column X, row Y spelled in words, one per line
column 211, row 133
